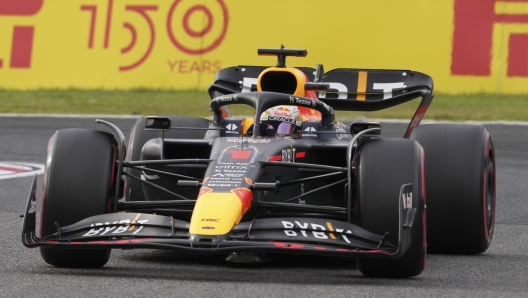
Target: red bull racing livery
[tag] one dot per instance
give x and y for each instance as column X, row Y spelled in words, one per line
column 288, row 179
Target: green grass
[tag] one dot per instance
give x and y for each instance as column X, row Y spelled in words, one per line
column 482, row 107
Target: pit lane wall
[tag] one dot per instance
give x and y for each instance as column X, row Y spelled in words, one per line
column 465, row 45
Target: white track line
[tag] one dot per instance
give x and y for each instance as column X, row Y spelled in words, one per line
column 403, row 121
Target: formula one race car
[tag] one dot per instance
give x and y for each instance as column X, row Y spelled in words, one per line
column 287, row 180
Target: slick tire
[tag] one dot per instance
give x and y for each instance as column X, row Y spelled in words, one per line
column 78, row 183
column 382, row 167
column 139, row 136
column 460, row 178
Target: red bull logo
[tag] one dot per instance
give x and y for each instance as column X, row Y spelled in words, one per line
column 283, row 112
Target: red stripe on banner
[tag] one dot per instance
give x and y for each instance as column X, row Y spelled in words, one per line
column 132, row 41
column 511, row 18
column 93, row 10
column 20, row 7
column 108, row 22
column 22, row 47
column 517, row 58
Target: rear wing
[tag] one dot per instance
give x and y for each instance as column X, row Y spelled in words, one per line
column 373, row 89
column 349, row 89
column 239, row 79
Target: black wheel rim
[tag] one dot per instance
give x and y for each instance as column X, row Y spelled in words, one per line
column 490, row 194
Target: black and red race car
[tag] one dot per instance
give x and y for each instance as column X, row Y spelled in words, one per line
column 287, row 180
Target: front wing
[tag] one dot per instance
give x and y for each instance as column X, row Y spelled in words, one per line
column 312, row 236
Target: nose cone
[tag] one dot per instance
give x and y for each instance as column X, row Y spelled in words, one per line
column 215, row 213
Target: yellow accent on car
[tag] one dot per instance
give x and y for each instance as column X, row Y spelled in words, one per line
column 362, row 85
column 247, row 124
column 134, row 221
column 224, row 207
column 331, row 229
column 299, row 76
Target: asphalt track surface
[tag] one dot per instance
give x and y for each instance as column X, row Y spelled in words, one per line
column 501, row 271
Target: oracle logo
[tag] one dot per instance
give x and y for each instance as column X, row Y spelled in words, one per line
column 474, row 22
column 22, row 44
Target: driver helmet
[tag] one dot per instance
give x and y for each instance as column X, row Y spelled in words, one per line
column 285, row 120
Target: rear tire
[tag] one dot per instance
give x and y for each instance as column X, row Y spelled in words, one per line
column 78, row 183
column 460, row 177
column 139, row 136
column 383, row 166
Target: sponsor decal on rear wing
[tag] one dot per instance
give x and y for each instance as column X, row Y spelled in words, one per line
column 345, row 83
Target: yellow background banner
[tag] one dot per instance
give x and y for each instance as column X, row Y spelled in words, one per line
column 465, row 45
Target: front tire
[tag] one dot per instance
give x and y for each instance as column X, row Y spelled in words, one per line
column 382, row 167
column 78, row 183
column 460, row 177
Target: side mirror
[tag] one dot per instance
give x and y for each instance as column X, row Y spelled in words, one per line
column 358, row 127
column 157, row 122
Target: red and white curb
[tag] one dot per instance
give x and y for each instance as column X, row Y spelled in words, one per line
column 13, row 169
